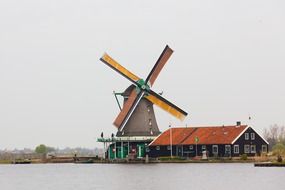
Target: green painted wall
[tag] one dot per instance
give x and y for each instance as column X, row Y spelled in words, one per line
column 122, row 153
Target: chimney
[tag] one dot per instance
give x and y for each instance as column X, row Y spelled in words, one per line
column 238, row 123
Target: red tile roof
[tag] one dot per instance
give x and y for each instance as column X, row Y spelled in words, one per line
column 206, row 135
column 178, row 136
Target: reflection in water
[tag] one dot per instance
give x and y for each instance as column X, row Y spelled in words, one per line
column 139, row 176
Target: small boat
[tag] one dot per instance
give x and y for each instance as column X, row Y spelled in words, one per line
column 269, row 164
column 89, row 161
column 26, row 161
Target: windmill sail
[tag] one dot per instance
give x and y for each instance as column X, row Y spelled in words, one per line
column 119, row 68
column 163, row 58
column 142, row 92
column 166, row 105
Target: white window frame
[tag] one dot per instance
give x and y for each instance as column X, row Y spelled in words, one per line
column 157, row 147
column 246, row 148
column 246, row 136
column 264, row 148
column 251, row 150
column 236, row 149
column 213, row 148
column 228, row 146
column 252, row 136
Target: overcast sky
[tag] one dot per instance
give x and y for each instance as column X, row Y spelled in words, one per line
column 228, row 63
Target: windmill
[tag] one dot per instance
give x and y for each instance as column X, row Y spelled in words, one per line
column 137, row 118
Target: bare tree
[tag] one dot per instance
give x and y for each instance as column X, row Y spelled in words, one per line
column 281, row 136
column 275, row 134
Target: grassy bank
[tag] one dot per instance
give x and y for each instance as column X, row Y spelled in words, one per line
column 169, row 159
column 5, row 161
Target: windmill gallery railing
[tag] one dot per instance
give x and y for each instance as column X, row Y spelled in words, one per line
column 132, row 138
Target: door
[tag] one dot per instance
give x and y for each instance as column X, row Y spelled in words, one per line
column 227, row 150
column 180, row 151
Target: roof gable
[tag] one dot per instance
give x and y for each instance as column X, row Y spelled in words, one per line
column 245, row 131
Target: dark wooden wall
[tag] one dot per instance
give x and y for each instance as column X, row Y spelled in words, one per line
column 187, row 152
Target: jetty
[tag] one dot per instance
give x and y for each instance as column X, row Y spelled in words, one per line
column 270, row 164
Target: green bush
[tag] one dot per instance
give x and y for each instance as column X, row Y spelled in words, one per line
column 278, row 149
column 243, row 157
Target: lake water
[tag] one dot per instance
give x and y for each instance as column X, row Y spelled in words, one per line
column 140, row 176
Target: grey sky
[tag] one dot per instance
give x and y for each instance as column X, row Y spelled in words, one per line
column 229, row 62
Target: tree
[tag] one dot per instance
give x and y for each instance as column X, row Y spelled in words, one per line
column 275, row 134
column 43, row 149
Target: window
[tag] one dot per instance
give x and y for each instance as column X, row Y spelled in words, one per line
column 215, row 149
column 203, row 147
column 148, row 108
column 253, row 149
column 246, row 148
column 252, row 136
column 149, row 122
column 264, row 148
column 236, row 149
column 191, row 147
column 147, row 149
column 228, row 149
column 151, row 131
column 246, row 136
column 168, row 147
column 157, row 148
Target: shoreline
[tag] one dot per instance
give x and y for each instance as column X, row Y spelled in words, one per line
column 124, row 161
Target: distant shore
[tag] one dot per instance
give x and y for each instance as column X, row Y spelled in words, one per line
column 90, row 160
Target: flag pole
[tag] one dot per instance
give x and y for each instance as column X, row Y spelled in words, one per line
column 170, row 141
column 196, row 142
column 249, row 120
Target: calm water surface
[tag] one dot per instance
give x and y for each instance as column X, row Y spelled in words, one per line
column 140, row 176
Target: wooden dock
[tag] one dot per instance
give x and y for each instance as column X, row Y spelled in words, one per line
column 269, row 164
